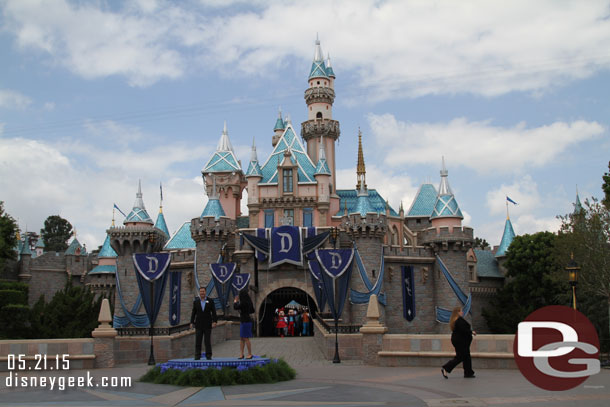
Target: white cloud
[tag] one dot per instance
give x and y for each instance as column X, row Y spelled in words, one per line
column 526, row 217
column 408, row 49
column 478, row 145
column 12, row 99
column 39, row 179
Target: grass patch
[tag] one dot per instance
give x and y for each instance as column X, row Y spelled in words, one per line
column 276, row 370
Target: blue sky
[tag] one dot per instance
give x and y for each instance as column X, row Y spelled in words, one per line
column 95, row 95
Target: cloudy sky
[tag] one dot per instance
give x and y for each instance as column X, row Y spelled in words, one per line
column 95, row 95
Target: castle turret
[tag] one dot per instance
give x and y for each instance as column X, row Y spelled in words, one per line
column 160, row 223
column 507, row 238
column 229, row 177
column 25, row 257
column 446, row 209
column 322, row 176
column 254, row 175
column 278, row 129
column 138, row 214
column 320, row 126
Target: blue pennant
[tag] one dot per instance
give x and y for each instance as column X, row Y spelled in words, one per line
column 240, row 281
column 223, row 272
column 335, row 262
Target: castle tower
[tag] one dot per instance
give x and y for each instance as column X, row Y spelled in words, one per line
column 25, row 257
column 254, row 175
column 137, row 235
column 320, row 126
column 322, row 176
column 225, row 168
column 446, row 210
column 507, row 238
column 160, row 223
column 278, row 129
column 449, row 241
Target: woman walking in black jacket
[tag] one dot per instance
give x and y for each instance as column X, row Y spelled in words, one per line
column 244, row 305
column 460, row 339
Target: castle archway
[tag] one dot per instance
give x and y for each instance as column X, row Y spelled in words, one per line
column 277, row 299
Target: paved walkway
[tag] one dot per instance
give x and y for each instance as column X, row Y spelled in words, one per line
column 318, row 383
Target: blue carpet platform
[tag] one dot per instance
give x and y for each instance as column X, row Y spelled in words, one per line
column 218, row 363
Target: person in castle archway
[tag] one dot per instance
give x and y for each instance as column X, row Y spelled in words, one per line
column 203, row 318
column 243, row 303
column 461, row 338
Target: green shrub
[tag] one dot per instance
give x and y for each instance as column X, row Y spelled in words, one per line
column 227, row 376
column 14, row 321
column 12, row 297
column 14, row 285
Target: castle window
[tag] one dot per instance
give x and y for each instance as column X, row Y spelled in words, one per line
column 269, row 219
column 472, row 273
column 318, row 82
column 287, row 178
column 289, row 216
column 307, row 217
column 319, row 115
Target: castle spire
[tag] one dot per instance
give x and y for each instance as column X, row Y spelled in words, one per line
column 138, row 213
column 360, row 168
column 444, row 188
column 160, row 223
column 224, row 144
column 446, row 205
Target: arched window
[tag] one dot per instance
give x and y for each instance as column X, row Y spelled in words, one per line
column 319, row 115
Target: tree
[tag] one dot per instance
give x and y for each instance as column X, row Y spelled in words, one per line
column 480, row 243
column 71, row 313
column 56, row 233
column 534, row 280
column 606, row 188
column 8, row 234
column 586, row 236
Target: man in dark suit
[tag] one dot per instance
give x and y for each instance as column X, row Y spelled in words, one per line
column 204, row 318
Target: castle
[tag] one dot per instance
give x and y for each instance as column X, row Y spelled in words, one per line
column 295, row 185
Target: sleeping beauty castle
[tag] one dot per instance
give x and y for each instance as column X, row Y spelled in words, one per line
column 418, row 263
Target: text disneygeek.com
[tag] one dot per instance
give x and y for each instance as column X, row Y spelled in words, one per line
column 15, row 380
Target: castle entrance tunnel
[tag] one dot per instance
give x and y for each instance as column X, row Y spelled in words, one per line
column 286, row 298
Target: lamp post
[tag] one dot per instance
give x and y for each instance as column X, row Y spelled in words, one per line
column 573, row 269
column 334, row 233
column 151, row 359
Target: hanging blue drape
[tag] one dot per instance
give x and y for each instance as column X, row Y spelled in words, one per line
column 222, row 273
column 316, row 281
column 443, row 315
column 357, row 297
column 136, row 320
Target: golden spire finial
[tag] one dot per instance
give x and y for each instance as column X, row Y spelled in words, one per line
column 360, row 168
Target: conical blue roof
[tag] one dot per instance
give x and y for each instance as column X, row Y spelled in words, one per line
column 577, row 205
column 224, row 159
column 507, row 238
column 322, row 168
column 423, row 204
column 279, row 123
column 107, row 251
column 182, row 239
column 25, row 248
column 138, row 214
column 213, row 208
column 318, row 67
column 363, row 205
column 446, row 205
column 254, row 170
column 348, row 198
column 40, row 243
column 161, row 225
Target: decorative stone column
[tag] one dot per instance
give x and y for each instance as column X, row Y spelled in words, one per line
column 372, row 333
column 103, row 336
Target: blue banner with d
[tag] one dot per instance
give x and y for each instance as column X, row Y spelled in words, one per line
column 223, row 273
column 151, row 273
column 336, row 265
column 286, row 246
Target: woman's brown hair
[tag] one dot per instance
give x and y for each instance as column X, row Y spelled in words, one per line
column 455, row 314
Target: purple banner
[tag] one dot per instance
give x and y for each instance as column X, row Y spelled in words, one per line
column 174, row 304
column 240, row 281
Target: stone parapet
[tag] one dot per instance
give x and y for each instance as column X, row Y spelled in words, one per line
column 371, row 225
column 314, row 128
column 208, row 228
column 443, row 238
column 319, row 95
